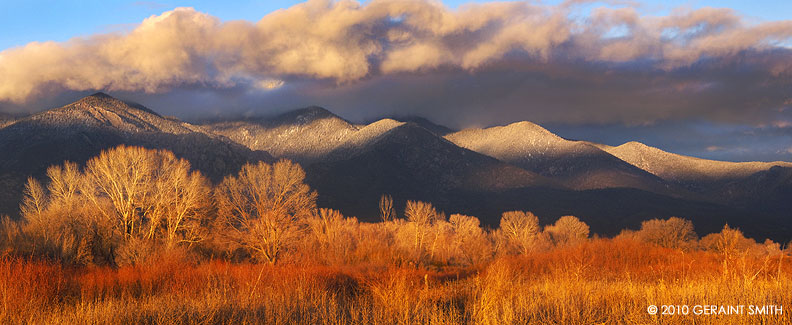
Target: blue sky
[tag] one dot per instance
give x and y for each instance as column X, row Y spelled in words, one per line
column 24, row 21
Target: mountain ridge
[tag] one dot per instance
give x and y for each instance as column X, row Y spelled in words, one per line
column 667, row 165
column 581, row 165
column 482, row 172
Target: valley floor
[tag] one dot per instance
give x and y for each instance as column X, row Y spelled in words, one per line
column 606, row 281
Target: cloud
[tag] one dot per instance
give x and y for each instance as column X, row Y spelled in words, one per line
column 481, row 64
column 345, row 41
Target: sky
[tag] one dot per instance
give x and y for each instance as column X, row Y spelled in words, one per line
column 711, row 79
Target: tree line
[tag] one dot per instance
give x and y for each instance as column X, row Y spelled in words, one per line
column 131, row 204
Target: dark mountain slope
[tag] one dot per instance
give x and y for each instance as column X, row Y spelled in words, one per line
column 81, row 130
column 410, row 162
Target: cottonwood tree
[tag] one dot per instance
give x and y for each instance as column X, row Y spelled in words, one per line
column 264, row 207
column 34, row 202
column 420, row 217
column 127, row 197
column 387, row 213
column 180, row 203
column 124, row 176
column 519, row 230
column 57, row 226
column 568, row 230
column 729, row 242
column 334, row 234
column 64, row 186
column 469, row 238
column 672, row 233
column 152, row 193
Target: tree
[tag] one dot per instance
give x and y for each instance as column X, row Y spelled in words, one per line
column 334, row 234
column 180, row 203
column 469, row 238
column 64, row 185
column 672, row 233
column 152, row 193
column 123, row 175
column 520, row 230
column 34, row 202
column 421, row 213
column 729, row 242
column 421, row 216
column 264, row 207
column 568, row 230
column 387, row 212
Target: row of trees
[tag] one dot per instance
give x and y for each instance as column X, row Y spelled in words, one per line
column 131, row 203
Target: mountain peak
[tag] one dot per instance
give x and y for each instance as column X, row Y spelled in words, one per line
column 305, row 115
column 635, row 145
column 96, row 97
column 313, row 112
column 526, row 126
column 105, row 101
column 101, row 95
column 438, row 129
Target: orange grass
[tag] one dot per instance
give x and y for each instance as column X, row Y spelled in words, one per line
column 599, row 281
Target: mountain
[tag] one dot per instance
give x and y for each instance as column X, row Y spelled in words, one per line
column 756, row 186
column 480, row 172
column 81, row 130
column 5, row 119
column 303, row 135
column 686, row 170
column 438, row 129
column 409, row 162
column 577, row 164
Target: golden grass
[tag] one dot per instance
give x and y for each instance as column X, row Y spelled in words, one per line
column 606, row 281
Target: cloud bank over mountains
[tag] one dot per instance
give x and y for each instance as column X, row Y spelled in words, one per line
column 480, row 64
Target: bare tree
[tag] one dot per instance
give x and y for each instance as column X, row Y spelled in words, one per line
column 264, row 207
column 34, row 202
column 520, row 230
column 180, row 202
column 124, row 175
column 421, row 213
column 387, row 212
column 421, row 216
column 568, row 230
column 672, row 233
column 334, row 234
column 64, row 185
column 729, row 242
column 142, row 195
column 469, row 238
column 10, row 235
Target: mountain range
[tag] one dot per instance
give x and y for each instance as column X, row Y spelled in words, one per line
column 480, row 172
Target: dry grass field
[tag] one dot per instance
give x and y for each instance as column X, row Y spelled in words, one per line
column 599, row 281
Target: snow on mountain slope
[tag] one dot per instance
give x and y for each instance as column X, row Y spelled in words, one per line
column 303, row 135
column 683, row 169
column 577, row 164
column 410, row 162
